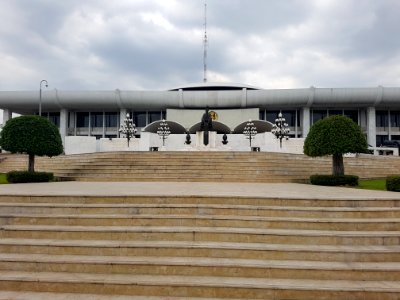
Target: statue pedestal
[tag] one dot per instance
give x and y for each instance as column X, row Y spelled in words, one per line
column 212, row 140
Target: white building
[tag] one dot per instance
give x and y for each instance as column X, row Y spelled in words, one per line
column 98, row 114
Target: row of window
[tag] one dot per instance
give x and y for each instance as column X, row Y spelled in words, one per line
column 140, row 118
column 293, row 116
column 290, row 115
column 143, row 118
column 383, row 117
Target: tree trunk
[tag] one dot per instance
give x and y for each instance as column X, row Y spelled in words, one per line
column 31, row 166
column 337, row 164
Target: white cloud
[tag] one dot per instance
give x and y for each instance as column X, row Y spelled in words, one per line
column 157, row 44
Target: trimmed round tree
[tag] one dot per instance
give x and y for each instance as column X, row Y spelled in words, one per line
column 32, row 135
column 335, row 135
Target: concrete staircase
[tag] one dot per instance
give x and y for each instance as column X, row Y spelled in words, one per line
column 199, row 247
column 199, row 166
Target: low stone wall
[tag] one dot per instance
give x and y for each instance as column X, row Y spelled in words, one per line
column 266, row 142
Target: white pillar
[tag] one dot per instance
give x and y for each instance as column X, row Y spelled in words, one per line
column 7, row 115
column 371, row 126
column 63, row 124
column 306, row 121
column 122, row 116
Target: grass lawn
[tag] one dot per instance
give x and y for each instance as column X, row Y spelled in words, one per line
column 3, row 178
column 375, row 184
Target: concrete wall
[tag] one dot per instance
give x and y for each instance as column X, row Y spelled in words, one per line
column 176, row 142
column 230, row 117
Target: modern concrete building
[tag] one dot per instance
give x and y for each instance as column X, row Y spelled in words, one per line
column 100, row 113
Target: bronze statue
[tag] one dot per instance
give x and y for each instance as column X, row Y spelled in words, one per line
column 206, row 125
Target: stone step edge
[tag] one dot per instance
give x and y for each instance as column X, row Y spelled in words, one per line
column 202, row 217
column 204, row 229
column 374, row 249
column 254, row 200
column 202, row 206
column 202, row 262
column 200, row 281
column 11, row 295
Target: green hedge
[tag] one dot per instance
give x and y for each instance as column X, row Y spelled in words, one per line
column 393, row 183
column 25, row 176
column 334, row 180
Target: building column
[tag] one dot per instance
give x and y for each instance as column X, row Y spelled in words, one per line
column 306, row 121
column 63, row 124
column 7, row 115
column 122, row 117
column 371, row 126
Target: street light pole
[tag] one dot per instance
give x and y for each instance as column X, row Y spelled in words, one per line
column 163, row 131
column 128, row 128
column 280, row 129
column 250, row 131
column 40, row 95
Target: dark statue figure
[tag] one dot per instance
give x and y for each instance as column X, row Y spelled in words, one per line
column 188, row 141
column 206, row 125
column 224, row 139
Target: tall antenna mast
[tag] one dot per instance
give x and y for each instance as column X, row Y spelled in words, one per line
column 205, row 42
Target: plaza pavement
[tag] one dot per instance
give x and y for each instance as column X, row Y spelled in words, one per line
column 276, row 190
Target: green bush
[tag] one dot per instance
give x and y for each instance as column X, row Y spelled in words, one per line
column 26, row 176
column 393, row 183
column 334, row 180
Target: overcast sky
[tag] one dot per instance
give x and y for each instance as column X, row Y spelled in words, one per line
column 158, row 44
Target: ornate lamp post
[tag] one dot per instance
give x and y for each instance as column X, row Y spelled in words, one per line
column 163, row 131
column 40, row 95
column 128, row 128
column 280, row 129
column 250, row 131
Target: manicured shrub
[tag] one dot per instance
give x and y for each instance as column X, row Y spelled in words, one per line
column 334, row 180
column 32, row 135
column 393, row 183
column 26, row 176
column 335, row 135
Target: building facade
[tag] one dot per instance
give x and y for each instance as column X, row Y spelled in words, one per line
column 100, row 113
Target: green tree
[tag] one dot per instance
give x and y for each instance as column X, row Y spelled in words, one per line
column 335, row 136
column 32, row 135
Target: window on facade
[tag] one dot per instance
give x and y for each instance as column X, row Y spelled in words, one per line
column 318, row 115
column 96, row 119
column 352, row 114
column 395, row 118
column 55, row 118
column 139, row 118
column 154, row 116
column 335, row 112
column 290, row 116
column 380, row 139
column 271, row 115
column 82, row 119
column 382, row 118
column 261, row 114
column 395, row 137
column 111, row 119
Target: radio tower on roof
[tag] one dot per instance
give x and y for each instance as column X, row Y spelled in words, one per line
column 205, row 42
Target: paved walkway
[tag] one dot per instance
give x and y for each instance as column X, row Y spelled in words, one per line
column 278, row 190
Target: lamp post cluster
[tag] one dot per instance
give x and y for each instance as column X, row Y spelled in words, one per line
column 128, row 128
column 280, row 129
column 250, row 131
column 40, row 95
column 163, row 131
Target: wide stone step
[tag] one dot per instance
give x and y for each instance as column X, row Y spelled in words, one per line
column 157, row 199
column 75, row 296
column 201, row 220
column 201, row 266
column 222, row 234
column 203, row 209
column 198, row 286
column 312, row 252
